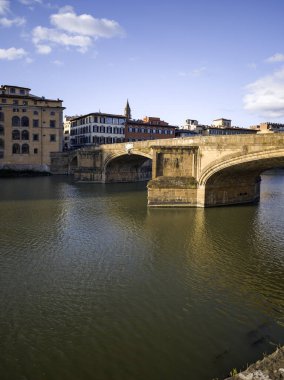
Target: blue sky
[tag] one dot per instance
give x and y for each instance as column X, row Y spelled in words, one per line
column 175, row 59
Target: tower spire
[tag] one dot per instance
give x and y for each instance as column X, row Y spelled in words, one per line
column 127, row 111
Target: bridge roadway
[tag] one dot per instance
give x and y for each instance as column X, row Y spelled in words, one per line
column 185, row 172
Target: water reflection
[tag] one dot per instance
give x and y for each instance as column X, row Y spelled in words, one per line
column 95, row 285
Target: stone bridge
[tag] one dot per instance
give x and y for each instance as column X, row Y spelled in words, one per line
column 186, row 172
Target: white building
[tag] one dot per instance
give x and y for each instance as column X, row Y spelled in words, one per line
column 190, row 124
column 222, row 123
column 96, row 129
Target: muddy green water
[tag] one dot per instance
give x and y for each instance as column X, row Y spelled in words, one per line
column 93, row 285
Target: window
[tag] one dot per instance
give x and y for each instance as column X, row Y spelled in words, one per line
column 16, row 121
column 15, row 135
column 35, row 137
column 12, row 91
column 25, row 103
column 52, row 113
column 15, row 102
column 35, row 112
column 52, row 123
column 1, row 144
column 25, row 121
column 24, row 110
column 1, row 116
column 22, row 91
column 25, row 135
column 4, row 100
column 25, row 149
column 1, row 154
column 1, row 130
column 16, row 110
column 35, row 150
column 52, row 138
column 35, row 123
column 16, row 149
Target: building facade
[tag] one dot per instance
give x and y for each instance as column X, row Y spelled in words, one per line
column 31, row 127
column 66, row 131
column 96, row 129
column 219, row 127
column 268, row 127
column 222, row 122
column 225, row 131
column 150, row 128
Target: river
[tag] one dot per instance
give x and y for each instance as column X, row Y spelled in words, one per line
column 94, row 285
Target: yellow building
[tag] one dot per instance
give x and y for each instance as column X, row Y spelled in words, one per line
column 31, row 127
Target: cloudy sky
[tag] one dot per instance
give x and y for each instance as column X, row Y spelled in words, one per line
column 175, row 59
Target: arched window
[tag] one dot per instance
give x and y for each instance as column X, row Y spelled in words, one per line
column 1, row 144
column 16, row 121
column 16, row 149
column 1, row 116
column 25, row 135
column 15, row 135
column 1, row 130
column 25, row 149
column 25, row 122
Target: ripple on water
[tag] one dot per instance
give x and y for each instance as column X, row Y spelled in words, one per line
column 94, row 283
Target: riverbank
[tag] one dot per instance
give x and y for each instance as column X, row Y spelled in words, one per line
column 271, row 367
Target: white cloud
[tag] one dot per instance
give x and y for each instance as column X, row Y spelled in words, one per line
column 199, row 71
column 12, row 54
column 85, row 24
column 252, row 65
column 265, row 96
column 193, row 73
column 58, row 63
column 53, row 36
column 43, row 49
column 4, row 6
column 30, row 2
column 18, row 21
column 276, row 58
column 71, row 30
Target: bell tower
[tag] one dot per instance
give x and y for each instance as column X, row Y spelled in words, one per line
column 127, row 111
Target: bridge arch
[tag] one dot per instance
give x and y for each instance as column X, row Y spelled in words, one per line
column 73, row 162
column 237, row 179
column 127, row 167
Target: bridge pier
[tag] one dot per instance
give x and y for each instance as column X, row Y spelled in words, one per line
column 185, row 192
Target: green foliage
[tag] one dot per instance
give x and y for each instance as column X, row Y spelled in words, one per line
column 234, row 372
